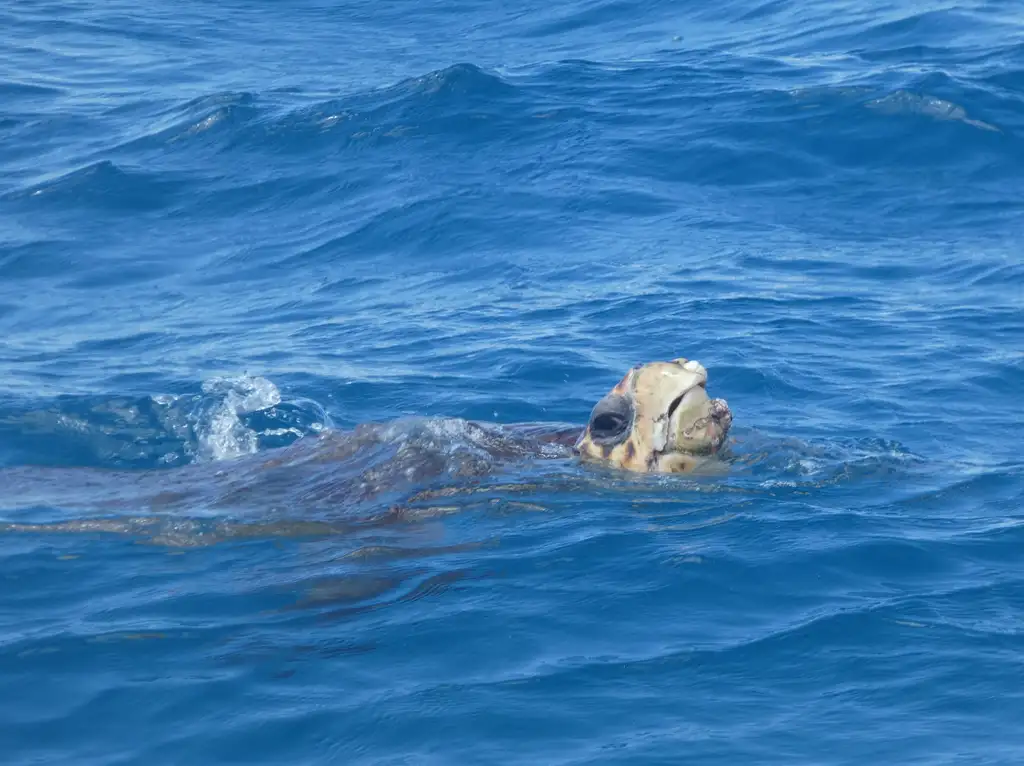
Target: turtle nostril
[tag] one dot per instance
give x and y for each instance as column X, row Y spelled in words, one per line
column 675, row 405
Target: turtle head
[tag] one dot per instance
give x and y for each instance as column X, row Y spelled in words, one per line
column 658, row 418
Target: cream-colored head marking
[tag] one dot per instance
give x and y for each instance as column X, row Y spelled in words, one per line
column 658, row 418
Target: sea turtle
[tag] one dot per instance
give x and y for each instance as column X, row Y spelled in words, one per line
column 657, row 419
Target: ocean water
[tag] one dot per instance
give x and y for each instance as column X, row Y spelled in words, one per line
column 281, row 282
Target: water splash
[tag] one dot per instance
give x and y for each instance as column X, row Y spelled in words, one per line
column 218, row 426
column 226, row 418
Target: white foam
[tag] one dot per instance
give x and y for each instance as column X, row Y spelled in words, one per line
column 221, row 433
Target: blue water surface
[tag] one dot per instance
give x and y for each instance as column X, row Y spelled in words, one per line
column 232, row 232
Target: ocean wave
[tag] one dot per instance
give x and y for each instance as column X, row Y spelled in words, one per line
column 105, row 185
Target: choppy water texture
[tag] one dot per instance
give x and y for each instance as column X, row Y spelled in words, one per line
column 230, row 233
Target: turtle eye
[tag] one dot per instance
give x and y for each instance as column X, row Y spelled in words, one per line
column 607, row 424
column 610, row 420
